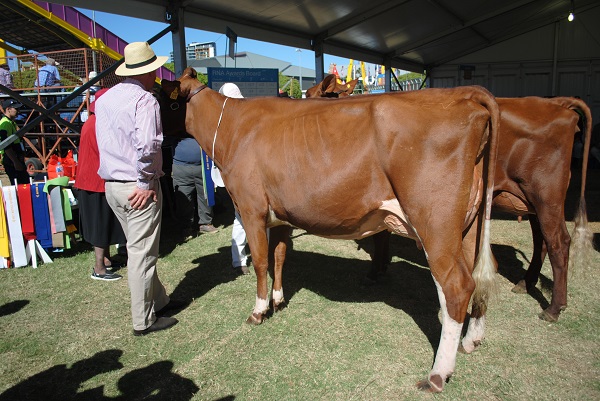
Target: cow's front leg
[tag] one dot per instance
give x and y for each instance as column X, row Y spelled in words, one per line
column 259, row 247
column 278, row 240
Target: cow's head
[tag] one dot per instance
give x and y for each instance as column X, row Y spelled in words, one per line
column 330, row 87
column 172, row 99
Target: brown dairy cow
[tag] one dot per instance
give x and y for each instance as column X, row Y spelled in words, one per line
column 535, row 143
column 416, row 168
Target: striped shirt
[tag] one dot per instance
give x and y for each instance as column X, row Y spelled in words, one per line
column 129, row 135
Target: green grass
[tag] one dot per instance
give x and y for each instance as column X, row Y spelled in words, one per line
column 65, row 336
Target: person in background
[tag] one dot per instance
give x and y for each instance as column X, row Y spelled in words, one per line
column 129, row 135
column 48, row 75
column 13, row 158
column 94, row 88
column 6, row 78
column 189, row 189
column 238, row 234
column 83, row 115
column 98, row 224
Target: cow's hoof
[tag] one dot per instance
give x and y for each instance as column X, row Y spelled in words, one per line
column 255, row 319
column 466, row 351
column 433, row 384
column 280, row 306
column 520, row 288
column 548, row 316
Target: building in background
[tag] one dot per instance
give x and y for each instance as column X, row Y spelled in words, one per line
column 199, row 51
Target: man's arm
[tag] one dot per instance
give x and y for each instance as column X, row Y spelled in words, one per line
column 148, row 142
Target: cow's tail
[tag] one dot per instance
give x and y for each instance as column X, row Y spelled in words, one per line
column 582, row 246
column 484, row 273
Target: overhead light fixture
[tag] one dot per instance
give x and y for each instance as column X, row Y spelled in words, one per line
column 571, row 16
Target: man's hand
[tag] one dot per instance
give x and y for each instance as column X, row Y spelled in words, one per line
column 141, row 197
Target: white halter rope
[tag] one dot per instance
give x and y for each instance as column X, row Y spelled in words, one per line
column 217, row 129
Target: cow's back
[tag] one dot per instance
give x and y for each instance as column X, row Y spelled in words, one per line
column 394, row 145
column 534, row 150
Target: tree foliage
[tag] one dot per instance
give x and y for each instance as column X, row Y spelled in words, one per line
column 290, row 86
column 201, row 77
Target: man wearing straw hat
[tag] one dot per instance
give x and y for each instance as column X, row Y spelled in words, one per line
column 129, row 135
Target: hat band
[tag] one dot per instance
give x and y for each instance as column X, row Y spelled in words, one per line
column 142, row 64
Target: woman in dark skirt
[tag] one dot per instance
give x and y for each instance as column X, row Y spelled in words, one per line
column 98, row 224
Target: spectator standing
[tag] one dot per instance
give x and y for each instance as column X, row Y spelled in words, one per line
column 129, row 134
column 13, row 158
column 94, row 88
column 6, row 78
column 98, row 224
column 189, row 189
column 83, row 115
column 48, row 75
column 238, row 234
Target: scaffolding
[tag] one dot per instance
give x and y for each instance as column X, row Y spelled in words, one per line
column 58, row 131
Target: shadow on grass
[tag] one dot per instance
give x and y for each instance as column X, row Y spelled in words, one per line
column 511, row 268
column 154, row 382
column 13, row 307
column 203, row 278
column 408, row 285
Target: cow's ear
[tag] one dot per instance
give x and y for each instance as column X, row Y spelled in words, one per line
column 328, row 84
column 349, row 87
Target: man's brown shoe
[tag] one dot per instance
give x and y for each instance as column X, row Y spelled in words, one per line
column 207, row 229
column 161, row 323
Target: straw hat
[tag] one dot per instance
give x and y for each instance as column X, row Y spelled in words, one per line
column 231, row 90
column 139, row 59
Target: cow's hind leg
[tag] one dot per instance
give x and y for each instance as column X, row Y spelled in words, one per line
column 557, row 241
column 455, row 284
column 537, row 259
column 381, row 255
column 454, row 299
column 476, row 327
column 278, row 241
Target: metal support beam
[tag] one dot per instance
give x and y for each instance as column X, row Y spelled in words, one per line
column 317, row 47
column 175, row 16
column 387, row 76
